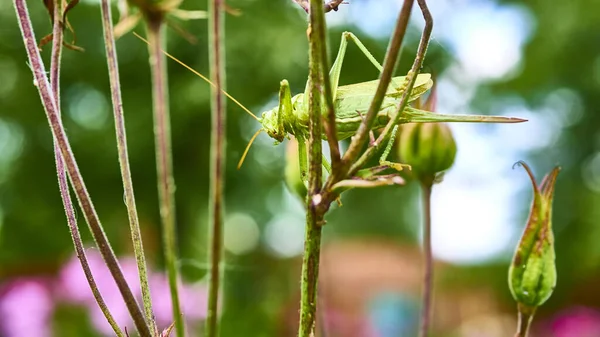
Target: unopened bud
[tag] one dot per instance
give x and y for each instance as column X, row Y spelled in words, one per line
column 429, row 148
column 532, row 274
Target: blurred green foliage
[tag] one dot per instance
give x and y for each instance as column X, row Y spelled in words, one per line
column 264, row 45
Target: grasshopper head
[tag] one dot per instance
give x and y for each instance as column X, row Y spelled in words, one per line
column 270, row 123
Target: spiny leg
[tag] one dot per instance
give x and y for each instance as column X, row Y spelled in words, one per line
column 302, row 160
column 383, row 160
column 336, row 69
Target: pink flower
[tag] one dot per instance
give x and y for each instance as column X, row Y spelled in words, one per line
column 577, row 321
column 26, row 307
column 73, row 287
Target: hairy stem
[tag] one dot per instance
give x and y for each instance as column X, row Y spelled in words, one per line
column 164, row 162
column 85, row 202
column 428, row 275
column 414, row 71
column 217, row 159
column 117, row 102
column 63, row 184
column 330, row 126
column 389, row 65
column 314, row 219
column 55, row 59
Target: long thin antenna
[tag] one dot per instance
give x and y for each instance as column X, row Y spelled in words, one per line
column 202, row 77
column 248, row 148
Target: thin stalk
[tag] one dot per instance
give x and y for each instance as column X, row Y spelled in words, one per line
column 524, row 320
column 414, row 71
column 330, row 123
column 63, row 184
column 117, row 102
column 310, row 275
column 164, row 162
column 314, row 219
column 85, row 202
column 428, row 275
column 55, row 58
column 389, row 65
column 217, row 159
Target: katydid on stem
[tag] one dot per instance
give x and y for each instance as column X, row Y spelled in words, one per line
column 290, row 117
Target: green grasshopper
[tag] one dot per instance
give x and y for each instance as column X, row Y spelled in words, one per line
column 290, row 117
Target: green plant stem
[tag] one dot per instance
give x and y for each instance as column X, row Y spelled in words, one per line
column 164, row 161
column 428, row 274
column 330, row 123
column 217, row 162
column 310, row 275
column 359, row 140
column 524, row 321
column 63, row 184
column 414, row 71
column 314, row 219
column 389, row 65
column 85, row 202
column 117, row 102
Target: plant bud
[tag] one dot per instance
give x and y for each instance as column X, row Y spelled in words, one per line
column 429, row 148
column 532, row 274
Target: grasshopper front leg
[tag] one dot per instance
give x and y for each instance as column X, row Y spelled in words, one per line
column 285, row 113
column 383, row 160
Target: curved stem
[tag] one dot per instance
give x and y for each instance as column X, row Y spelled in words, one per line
column 217, row 158
column 117, row 102
column 164, row 162
column 359, row 140
column 63, row 184
column 414, row 71
column 85, row 202
column 428, row 274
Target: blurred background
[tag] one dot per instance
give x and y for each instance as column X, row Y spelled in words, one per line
column 532, row 59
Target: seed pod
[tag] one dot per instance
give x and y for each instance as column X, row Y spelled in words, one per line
column 429, row 148
column 532, row 274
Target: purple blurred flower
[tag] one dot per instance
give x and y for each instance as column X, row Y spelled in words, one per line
column 74, row 288
column 26, row 307
column 577, row 321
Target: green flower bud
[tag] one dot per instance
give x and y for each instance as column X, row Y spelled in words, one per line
column 429, row 148
column 532, row 274
column 293, row 179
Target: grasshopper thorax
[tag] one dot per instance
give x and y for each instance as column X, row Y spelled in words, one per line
column 271, row 124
